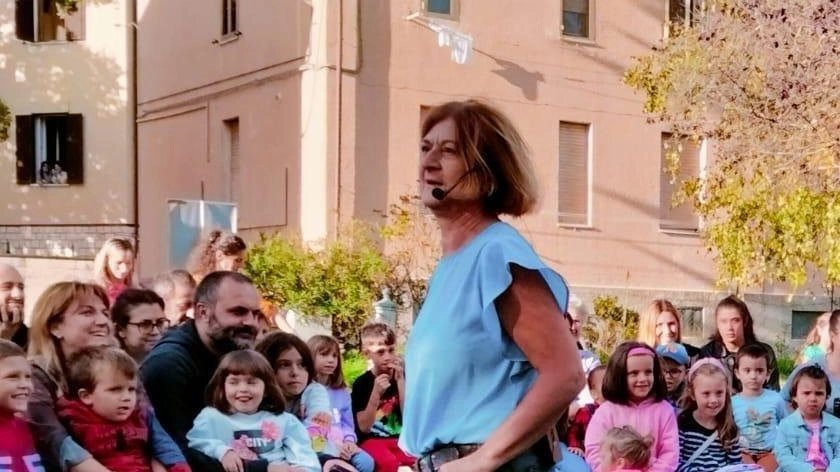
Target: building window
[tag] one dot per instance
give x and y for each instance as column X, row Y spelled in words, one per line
column 230, row 18
column 43, row 21
column 444, row 8
column 232, row 157
column 684, row 12
column 681, row 217
column 691, row 319
column 573, row 178
column 577, row 18
column 801, row 323
column 50, row 149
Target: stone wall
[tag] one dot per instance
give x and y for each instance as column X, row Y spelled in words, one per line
column 76, row 242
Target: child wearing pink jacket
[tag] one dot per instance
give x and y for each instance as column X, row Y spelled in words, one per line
column 635, row 395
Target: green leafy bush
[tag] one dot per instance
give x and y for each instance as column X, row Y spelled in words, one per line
column 353, row 364
column 338, row 282
column 609, row 325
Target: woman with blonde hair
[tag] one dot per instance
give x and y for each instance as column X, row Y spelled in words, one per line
column 68, row 317
column 113, row 267
column 660, row 324
column 216, row 251
column 818, row 341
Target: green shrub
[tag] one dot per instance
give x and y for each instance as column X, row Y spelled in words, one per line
column 353, row 365
column 609, row 325
column 785, row 365
column 339, row 282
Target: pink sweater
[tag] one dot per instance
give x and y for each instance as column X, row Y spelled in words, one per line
column 649, row 418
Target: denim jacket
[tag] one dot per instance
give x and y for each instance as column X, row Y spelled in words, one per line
column 792, row 440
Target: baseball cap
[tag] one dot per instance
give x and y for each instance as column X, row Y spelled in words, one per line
column 674, row 351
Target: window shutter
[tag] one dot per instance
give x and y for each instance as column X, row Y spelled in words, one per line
column 25, row 142
column 24, row 20
column 74, row 150
column 573, row 179
column 681, row 217
column 74, row 23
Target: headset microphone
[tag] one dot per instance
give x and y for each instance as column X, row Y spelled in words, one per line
column 439, row 193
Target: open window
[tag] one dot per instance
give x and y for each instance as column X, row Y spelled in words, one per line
column 44, row 21
column 50, row 149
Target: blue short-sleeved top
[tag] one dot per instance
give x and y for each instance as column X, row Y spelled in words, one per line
column 464, row 374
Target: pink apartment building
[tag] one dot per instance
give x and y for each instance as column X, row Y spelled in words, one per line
column 305, row 114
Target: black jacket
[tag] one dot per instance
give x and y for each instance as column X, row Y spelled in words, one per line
column 175, row 375
column 717, row 350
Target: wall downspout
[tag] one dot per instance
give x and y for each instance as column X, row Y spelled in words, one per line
column 135, row 142
column 338, row 107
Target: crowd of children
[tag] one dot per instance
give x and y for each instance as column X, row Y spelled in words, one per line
column 660, row 410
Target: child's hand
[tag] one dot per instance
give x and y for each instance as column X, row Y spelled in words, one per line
column 576, row 451
column 381, row 384
column 397, row 368
column 348, row 449
column 232, row 462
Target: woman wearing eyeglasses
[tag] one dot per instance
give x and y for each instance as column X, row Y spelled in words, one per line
column 139, row 321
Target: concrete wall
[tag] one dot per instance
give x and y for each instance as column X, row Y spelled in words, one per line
column 40, row 273
column 190, row 81
column 90, row 77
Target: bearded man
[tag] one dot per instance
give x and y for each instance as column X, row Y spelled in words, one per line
column 11, row 306
column 177, row 370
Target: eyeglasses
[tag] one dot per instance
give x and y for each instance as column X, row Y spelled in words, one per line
column 673, row 372
column 148, row 325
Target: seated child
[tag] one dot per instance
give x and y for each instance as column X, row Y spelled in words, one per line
column 675, row 362
column 17, row 449
column 102, row 413
column 377, row 397
column 624, row 450
column 246, row 419
column 758, row 410
column 708, row 435
column 577, row 427
column 326, row 354
column 809, row 438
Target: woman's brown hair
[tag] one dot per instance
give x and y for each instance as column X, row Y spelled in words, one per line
column 202, row 260
column 495, row 154
column 44, row 349
column 245, row 362
column 647, row 321
column 726, row 429
column 321, row 344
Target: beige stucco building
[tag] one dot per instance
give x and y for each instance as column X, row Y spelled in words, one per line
column 68, row 83
column 305, row 114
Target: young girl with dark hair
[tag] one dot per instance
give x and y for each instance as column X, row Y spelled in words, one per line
column 246, row 419
column 635, row 395
column 294, row 369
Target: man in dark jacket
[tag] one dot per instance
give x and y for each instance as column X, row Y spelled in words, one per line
column 177, row 370
column 11, row 306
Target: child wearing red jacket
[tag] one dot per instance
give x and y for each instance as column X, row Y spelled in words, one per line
column 104, row 416
column 17, row 449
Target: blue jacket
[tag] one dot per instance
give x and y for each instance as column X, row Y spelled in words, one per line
column 792, row 439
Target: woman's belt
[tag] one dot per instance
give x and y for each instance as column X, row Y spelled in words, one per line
column 432, row 461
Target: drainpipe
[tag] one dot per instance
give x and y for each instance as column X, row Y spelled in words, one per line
column 135, row 143
column 339, row 75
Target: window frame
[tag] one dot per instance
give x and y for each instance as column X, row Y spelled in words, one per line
column 590, row 23
column 588, row 166
column 27, row 12
column 454, row 10
column 30, row 156
column 230, row 27
column 684, row 312
column 812, row 314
